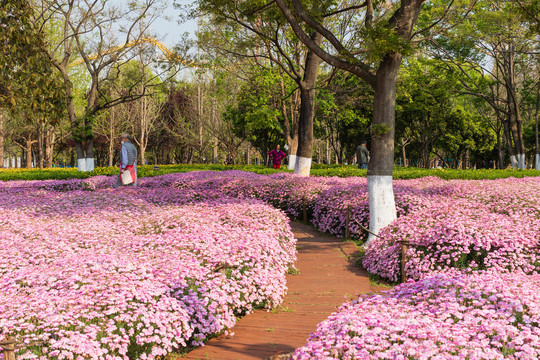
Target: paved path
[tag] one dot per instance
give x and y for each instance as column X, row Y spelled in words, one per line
column 327, row 275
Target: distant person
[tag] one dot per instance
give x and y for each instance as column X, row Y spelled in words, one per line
column 276, row 155
column 362, row 154
column 128, row 160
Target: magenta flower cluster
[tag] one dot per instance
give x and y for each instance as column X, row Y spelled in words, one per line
column 132, row 273
column 482, row 225
column 448, row 225
column 481, row 316
column 473, row 251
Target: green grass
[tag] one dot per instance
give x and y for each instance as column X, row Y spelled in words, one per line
column 317, row 170
column 414, row 173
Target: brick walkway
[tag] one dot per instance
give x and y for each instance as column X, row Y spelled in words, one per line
column 327, row 276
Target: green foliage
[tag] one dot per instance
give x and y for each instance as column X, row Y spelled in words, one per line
column 379, row 129
column 383, row 40
column 256, row 117
column 433, row 118
column 27, row 80
column 344, row 112
column 317, row 170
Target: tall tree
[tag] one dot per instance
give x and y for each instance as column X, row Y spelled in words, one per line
column 496, row 42
column 379, row 38
column 85, row 30
column 247, row 29
column 27, row 81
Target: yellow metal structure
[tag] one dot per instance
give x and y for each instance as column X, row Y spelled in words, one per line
column 171, row 55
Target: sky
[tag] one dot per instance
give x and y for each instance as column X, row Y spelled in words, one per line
column 168, row 30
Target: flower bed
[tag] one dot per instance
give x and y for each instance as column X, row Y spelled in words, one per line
column 475, row 225
column 452, row 228
column 128, row 273
column 486, row 316
column 483, row 225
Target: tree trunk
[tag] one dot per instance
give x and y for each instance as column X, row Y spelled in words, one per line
column 216, row 140
column 382, row 207
column 49, row 146
column 29, row 153
column 536, row 129
column 500, row 151
column 111, row 137
column 199, row 116
column 290, row 131
column 248, row 154
column 2, row 139
column 514, row 118
column 143, row 124
column 328, row 150
column 41, row 143
column 304, row 153
column 404, row 155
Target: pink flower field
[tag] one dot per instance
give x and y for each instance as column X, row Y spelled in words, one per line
column 488, row 316
column 131, row 273
column 97, row 273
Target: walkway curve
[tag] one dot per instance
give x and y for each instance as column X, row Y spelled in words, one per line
column 327, row 278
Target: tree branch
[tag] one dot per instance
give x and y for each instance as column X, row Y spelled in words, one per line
column 361, row 71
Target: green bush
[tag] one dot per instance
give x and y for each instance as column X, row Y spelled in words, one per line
column 317, row 170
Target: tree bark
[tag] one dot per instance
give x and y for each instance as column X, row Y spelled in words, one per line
column 2, row 139
column 517, row 155
column 111, row 136
column 143, row 123
column 290, row 131
column 382, row 207
column 28, row 150
column 304, row 152
column 404, row 155
column 381, row 196
column 536, row 129
column 41, row 144
column 49, row 146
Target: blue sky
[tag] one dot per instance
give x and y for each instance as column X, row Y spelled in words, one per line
column 169, row 31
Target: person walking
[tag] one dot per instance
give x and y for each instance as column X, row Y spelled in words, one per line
column 276, row 156
column 362, row 155
column 128, row 159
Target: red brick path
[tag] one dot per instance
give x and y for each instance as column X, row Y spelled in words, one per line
column 327, row 276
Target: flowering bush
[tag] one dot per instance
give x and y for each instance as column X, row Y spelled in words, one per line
column 474, row 225
column 486, row 316
column 86, row 282
column 132, row 273
column 482, row 225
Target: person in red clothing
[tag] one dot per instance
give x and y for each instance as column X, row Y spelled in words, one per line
column 276, row 156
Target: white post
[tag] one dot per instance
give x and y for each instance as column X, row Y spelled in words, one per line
column 538, row 162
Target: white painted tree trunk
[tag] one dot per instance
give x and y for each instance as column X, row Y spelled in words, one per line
column 81, row 164
column 382, row 206
column 513, row 161
column 89, row 164
column 538, row 162
column 86, row 164
column 302, row 166
column 292, row 162
column 521, row 161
